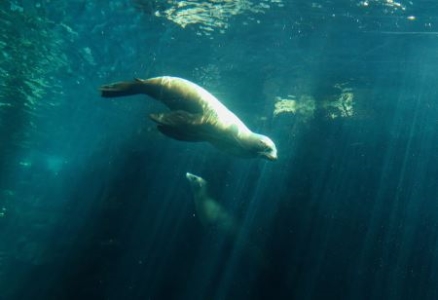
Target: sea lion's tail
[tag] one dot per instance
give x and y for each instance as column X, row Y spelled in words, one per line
column 120, row 89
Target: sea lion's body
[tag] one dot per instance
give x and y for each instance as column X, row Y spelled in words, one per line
column 196, row 116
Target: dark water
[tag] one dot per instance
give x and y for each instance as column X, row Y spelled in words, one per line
column 94, row 203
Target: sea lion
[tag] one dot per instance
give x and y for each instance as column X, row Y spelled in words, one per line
column 196, row 116
column 212, row 215
column 208, row 210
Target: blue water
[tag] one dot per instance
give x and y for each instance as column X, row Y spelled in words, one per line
column 94, row 201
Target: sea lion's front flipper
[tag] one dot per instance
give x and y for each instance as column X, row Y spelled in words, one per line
column 180, row 125
column 123, row 88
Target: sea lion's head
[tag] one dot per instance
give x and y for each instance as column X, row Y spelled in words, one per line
column 196, row 182
column 262, row 146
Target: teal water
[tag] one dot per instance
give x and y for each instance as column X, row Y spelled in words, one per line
column 95, row 203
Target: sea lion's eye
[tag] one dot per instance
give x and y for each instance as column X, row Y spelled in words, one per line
column 264, row 145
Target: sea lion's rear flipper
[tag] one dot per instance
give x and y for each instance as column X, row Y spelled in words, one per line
column 175, row 93
column 123, row 88
column 180, row 125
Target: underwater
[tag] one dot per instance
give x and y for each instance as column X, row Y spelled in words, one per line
column 218, row 149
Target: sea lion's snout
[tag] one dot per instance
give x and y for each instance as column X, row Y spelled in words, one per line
column 266, row 147
column 271, row 156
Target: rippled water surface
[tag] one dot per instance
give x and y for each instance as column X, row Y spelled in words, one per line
column 95, row 203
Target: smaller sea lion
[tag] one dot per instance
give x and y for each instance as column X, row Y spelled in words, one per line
column 208, row 210
column 196, row 116
column 212, row 214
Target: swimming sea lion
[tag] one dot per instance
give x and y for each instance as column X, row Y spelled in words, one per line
column 213, row 215
column 196, row 116
column 208, row 210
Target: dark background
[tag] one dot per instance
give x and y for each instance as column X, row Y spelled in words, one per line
column 94, row 203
